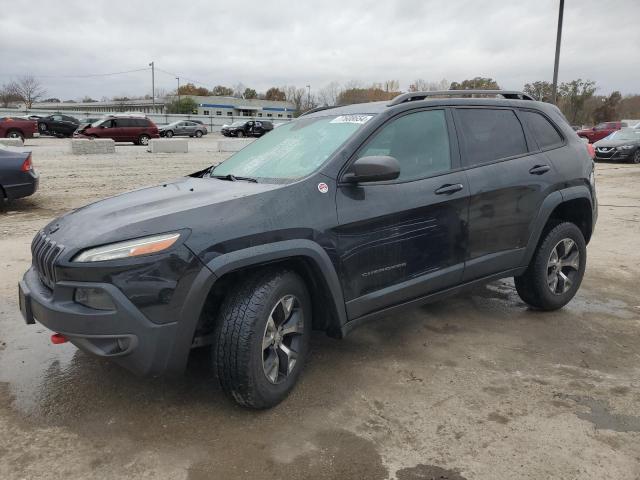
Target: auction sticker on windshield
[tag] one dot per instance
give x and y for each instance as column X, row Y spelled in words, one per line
column 352, row 119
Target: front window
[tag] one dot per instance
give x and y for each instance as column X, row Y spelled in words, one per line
column 293, row 150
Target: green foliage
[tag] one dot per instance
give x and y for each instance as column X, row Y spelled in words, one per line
column 222, row 91
column 185, row 105
column 476, row 83
column 540, row 90
column 573, row 95
column 250, row 93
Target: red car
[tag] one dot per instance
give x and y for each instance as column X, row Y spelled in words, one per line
column 12, row 127
column 136, row 129
column 600, row 131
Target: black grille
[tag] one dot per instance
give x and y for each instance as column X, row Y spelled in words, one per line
column 45, row 252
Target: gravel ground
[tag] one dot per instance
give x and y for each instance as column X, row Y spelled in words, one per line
column 474, row 387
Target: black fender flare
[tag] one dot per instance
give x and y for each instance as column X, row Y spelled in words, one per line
column 544, row 212
column 239, row 259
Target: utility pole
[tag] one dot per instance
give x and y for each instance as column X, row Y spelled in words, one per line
column 309, row 96
column 554, row 94
column 153, row 86
column 179, row 106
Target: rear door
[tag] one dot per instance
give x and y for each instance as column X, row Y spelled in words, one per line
column 508, row 179
column 402, row 239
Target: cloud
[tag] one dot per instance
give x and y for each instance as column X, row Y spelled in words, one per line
column 263, row 44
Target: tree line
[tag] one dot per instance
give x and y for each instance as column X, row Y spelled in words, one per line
column 576, row 99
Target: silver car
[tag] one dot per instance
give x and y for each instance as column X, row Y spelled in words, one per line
column 183, row 128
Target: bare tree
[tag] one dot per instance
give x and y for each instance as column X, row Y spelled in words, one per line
column 8, row 94
column 328, row 95
column 421, row 85
column 29, row 90
column 391, row 86
column 297, row 96
column 238, row 90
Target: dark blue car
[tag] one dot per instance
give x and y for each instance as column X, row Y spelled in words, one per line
column 17, row 177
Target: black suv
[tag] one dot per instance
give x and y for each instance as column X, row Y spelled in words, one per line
column 251, row 128
column 333, row 219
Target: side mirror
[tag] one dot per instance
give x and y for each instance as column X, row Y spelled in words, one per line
column 373, row 169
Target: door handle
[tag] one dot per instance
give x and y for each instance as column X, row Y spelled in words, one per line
column 449, row 188
column 539, row 169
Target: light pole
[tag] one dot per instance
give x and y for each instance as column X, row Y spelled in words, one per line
column 153, row 86
column 308, row 96
column 554, row 93
column 179, row 106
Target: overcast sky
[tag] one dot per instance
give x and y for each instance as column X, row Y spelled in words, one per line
column 267, row 43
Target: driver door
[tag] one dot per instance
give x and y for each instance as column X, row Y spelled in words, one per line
column 401, row 239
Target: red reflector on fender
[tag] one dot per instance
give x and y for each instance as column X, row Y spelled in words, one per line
column 58, row 338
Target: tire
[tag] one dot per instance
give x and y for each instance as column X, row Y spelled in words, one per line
column 240, row 134
column 15, row 134
column 42, row 127
column 247, row 369
column 198, row 134
column 168, row 134
column 143, row 140
column 636, row 157
column 542, row 285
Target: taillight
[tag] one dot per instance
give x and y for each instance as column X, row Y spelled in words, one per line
column 27, row 164
column 591, row 150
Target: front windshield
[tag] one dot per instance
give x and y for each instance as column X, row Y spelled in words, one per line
column 237, row 124
column 623, row 135
column 293, row 150
column 97, row 122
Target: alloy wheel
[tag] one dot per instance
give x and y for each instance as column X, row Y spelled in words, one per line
column 636, row 156
column 282, row 339
column 563, row 266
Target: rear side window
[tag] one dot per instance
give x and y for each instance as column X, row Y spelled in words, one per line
column 419, row 141
column 544, row 132
column 490, row 134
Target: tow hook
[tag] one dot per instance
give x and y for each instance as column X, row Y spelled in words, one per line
column 58, row 338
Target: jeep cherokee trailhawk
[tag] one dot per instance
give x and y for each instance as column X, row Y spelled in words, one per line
column 343, row 215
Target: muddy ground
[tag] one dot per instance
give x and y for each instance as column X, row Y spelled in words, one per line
column 473, row 387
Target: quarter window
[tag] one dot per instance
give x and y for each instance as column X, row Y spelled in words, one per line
column 490, row 134
column 544, row 132
column 419, row 141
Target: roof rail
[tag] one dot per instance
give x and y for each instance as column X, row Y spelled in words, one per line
column 413, row 96
column 318, row 109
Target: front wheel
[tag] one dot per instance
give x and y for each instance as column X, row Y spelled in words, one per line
column 168, row 134
column 42, row 127
column 556, row 270
column 198, row 134
column 262, row 338
column 240, row 134
column 636, row 157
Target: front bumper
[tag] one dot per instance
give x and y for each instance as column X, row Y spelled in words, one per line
column 613, row 155
column 123, row 335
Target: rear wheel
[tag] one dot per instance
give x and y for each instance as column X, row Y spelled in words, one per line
column 636, row 157
column 556, row 270
column 168, row 134
column 144, row 139
column 262, row 338
column 15, row 134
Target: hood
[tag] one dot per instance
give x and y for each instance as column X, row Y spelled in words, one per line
column 614, row 142
column 163, row 208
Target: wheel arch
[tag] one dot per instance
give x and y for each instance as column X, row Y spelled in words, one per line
column 573, row 205
column 305, row 257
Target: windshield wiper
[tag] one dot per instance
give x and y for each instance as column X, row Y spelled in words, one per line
column 233, row 178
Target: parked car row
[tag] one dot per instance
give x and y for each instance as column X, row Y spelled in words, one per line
column 601, row 130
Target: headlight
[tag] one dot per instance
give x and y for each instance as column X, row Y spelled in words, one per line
column 625, row 147
column 130, row 248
